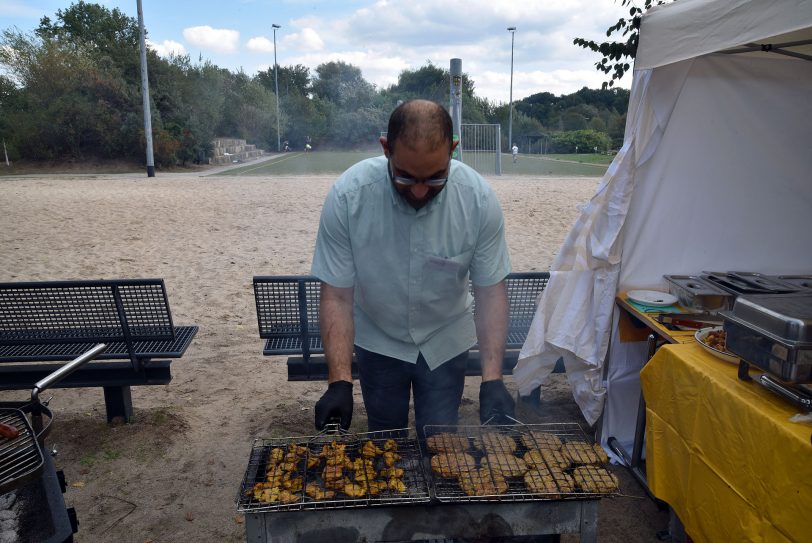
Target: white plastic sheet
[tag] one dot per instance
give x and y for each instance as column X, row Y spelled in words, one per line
column 715, row 174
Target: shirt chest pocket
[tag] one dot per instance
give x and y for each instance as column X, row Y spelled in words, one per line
column 448, row 274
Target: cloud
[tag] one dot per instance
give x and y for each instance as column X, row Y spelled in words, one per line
column 167, row 48
column 19, row 9
column 221, row 40
column 383, row 38
column 260, row 44
column 309, row 40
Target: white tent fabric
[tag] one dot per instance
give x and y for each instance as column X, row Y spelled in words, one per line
column 714, row 174
column 692, row 28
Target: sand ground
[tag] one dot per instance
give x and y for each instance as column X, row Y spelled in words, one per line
column 174, row 472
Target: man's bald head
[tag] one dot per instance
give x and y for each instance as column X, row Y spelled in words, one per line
column 420, row 122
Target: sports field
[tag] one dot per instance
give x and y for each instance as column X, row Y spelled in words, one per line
column 335, row 162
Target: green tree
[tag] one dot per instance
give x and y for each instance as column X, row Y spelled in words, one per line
column 582, row 141
column 344, row 85
column 617, row 54
column 101, row 31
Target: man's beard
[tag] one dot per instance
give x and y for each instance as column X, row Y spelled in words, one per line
column 418, row 203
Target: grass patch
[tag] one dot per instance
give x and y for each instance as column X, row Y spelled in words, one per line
column 111, row 455
column 88, row 460
column 297, row 163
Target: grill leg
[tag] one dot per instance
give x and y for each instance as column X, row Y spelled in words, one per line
column 119, row 403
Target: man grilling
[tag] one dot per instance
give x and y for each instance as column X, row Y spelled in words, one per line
column 399, row 237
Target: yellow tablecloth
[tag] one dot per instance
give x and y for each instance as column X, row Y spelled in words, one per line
column 722, row 452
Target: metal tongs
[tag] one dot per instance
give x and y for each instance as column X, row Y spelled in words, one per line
column 690, row 320
column 501, row 419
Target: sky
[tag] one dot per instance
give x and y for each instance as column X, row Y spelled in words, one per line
column 381, row 37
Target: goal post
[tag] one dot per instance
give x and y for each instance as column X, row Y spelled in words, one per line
column 481, row 147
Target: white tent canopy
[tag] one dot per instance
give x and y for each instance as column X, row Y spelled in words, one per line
column 715, row 174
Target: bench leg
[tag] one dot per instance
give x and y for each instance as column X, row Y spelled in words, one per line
column 119, row 403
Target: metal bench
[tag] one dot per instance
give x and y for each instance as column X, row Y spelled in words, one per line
column 288, row 317
column 55, row 321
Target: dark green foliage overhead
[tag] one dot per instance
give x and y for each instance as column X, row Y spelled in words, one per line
column 71, row 90
column 617, row 54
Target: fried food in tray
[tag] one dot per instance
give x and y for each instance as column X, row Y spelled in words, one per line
column 483, row 482
column 318, row 493
column 533, row 459
column 495, row 442
column 445, row 442
column 560, row 460
column 505, row 464
column 552, row 482
column 517, row 462
column 451, row 464
column 581, row 453
column 595, row 479
column 535, row 439
column 333, row 471
column 600, row 453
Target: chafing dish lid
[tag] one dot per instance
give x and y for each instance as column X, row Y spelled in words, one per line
column 786, row 316
column 695, row 285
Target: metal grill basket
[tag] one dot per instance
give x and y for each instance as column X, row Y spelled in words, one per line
column 261, row 463
column 20, row 458
column 516, row 440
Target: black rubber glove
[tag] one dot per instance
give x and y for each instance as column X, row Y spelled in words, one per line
column 494, row 401
column 335, row 404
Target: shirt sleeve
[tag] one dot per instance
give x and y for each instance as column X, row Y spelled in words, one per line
column 332, row 259
column 491, row 261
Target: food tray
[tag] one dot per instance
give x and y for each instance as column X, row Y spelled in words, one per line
column 800, row 282
column 738, row 283
column 787, row 317
column 260, row 467
column 774, row 333
column 448, row 488
column 696, row 294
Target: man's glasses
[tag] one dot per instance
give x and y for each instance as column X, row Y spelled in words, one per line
column 409, row 181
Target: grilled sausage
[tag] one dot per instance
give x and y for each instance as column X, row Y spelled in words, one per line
column 8, row 432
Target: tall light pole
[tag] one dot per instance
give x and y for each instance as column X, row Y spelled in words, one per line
column 276, row 86
column 145, row 92
column 512, row 30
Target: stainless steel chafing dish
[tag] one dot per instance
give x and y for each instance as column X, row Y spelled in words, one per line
column 800, row 282
column 745, row 283
column 696, row 294
column 774, row 333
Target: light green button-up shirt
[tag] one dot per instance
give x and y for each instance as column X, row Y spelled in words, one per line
column 410, row 268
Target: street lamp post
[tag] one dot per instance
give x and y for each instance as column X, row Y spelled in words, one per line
column 276, row 87
column 512, row 30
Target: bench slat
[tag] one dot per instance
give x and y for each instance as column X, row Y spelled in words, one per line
column 53, row 352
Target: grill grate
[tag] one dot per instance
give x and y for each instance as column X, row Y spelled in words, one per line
column 260, row 464
column 21, row 457
column 494, row 449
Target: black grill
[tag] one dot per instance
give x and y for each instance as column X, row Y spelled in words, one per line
column 20, row 458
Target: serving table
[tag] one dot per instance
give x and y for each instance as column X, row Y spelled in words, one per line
column 722, row 452
column 636, row 325
column 648, row 324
